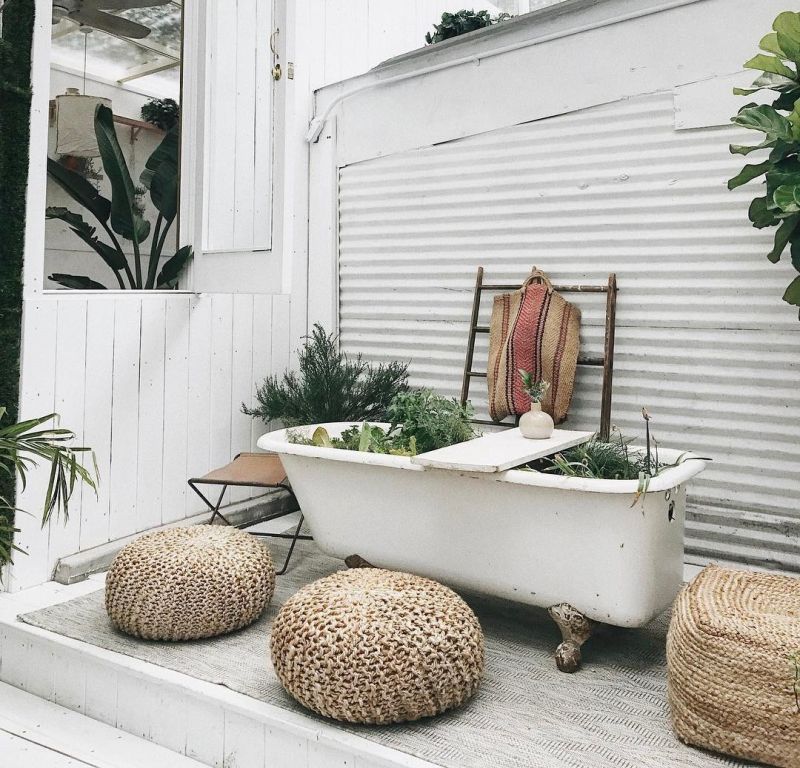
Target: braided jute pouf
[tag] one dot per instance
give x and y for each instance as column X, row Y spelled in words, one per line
column 188, row 583
column 375, row 646
column 733, row 684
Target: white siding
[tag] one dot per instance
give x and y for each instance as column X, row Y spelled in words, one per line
column 703, row 338
column 154, row 384
column 355, row 35
column 238, row 160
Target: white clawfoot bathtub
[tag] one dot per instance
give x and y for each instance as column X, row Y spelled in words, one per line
column 531, row 537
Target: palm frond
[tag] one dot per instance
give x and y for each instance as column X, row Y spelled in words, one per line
column 24, row 446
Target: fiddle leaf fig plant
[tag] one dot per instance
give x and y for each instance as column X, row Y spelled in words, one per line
column 121, row 216
column 779, row 123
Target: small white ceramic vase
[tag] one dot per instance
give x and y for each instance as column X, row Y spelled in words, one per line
column 536, row 424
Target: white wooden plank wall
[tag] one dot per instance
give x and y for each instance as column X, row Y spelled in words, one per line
column 355, row 35
column 238, row 138
column 154, row 384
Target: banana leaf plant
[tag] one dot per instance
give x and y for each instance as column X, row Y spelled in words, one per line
column 779, row 122
column 120, row 217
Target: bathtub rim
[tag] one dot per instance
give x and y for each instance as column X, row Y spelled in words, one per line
column 277, row 441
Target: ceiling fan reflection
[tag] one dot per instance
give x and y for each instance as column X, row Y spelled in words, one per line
column 93, row 13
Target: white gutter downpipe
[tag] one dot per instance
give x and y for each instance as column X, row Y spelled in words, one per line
column 318, row 123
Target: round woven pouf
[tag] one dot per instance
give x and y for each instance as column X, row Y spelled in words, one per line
column 375, row 646
column 189, row 583
column 732, row 665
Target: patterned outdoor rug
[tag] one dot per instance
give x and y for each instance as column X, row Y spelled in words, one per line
column 526, row 715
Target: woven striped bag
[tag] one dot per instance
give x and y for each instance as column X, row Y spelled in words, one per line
column 537, row 330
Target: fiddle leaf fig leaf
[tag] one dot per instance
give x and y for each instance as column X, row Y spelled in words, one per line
column 792, row 294
column 767, row 81
column 782, row 237
column 787, row 34
column 781, row 150
column 786, row 172
column 765, row 119
column 769, row 64
column 784, row 197
column 742, row 149
column 795, row 252
column 760, row 214
column 769, row 43
column 748, row 173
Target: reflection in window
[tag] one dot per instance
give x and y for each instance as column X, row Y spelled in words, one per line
column 113, row 152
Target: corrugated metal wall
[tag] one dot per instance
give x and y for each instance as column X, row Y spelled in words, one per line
column 703, row 338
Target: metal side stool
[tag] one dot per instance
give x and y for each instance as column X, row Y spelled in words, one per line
column 253, row 470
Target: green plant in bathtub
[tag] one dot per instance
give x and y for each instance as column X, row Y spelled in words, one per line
column 367, row 438
column 329, row 386
column 432, row 420
column 778, row 203
column 421, row 421
column 614, row 459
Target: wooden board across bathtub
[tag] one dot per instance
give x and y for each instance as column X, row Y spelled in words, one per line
column 499, row 451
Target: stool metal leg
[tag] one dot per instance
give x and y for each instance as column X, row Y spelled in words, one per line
column 215, row 513
column 295, row 537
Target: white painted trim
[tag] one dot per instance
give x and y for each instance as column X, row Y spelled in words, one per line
column 475, row 58
column 95, row 78
column 294, row 233
column 77, row 567
column 64, row 293
column 148, row 69
column 191, row 145
column 193, row 77
column 33, row 268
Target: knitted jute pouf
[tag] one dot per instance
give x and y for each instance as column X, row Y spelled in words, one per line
column 731, row 678
column 375, row 646
column 188, row 583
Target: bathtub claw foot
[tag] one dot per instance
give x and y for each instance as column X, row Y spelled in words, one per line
column 576, row 629
column 356, row 561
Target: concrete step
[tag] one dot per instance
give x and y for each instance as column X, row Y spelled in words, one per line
column 35, row 733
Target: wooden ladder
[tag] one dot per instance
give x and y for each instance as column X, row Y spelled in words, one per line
column 606, row 361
